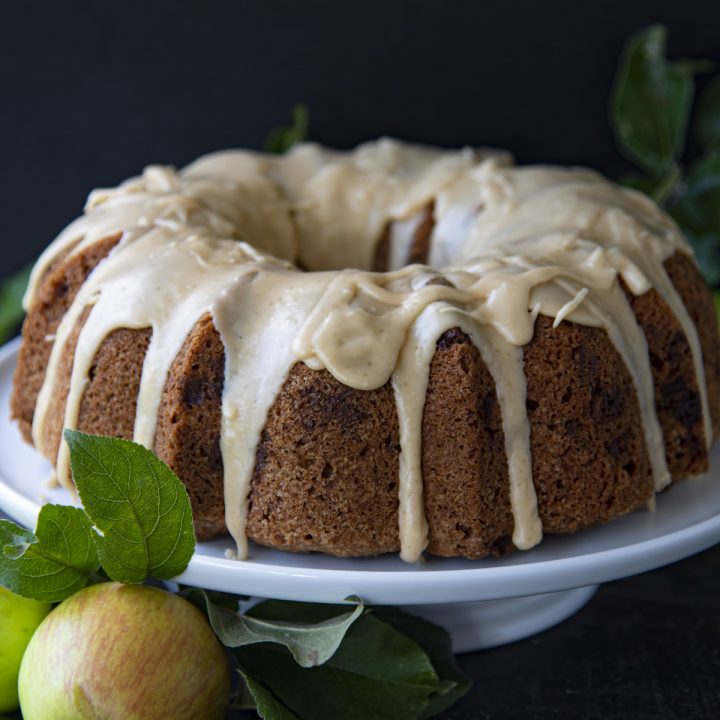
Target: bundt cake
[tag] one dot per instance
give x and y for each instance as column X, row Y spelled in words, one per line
column 394, row 348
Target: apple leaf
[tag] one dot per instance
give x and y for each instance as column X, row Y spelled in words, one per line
column 708, row 123
column 697, row 211
column 138, row 505
column 11, row 294
column 650, row 108
column 311, row 641
column 56, row 561
column 281, row 139
column 377, row 672
column 268, row 707
column 659, row 189
column 651, row 102
column 436, row 642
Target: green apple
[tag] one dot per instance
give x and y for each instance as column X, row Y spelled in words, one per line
column 124, row 652
column 19, row 618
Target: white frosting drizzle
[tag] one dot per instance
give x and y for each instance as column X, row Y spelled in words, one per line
column 257, row 335
column 224, row 236
column 410, row 381
column 570, row 306
column 505, row 363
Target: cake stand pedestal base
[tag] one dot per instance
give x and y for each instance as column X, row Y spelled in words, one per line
column 489, row 623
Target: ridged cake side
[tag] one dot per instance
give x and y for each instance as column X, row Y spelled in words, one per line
column 326, row 469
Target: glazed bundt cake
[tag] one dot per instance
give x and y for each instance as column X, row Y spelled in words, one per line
column 394, row 348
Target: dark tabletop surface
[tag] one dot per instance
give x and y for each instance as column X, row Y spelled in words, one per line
column 647, row 647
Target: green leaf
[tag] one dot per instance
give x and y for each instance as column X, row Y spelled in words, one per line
column 376, row 673
column 311, row 641
column 708, row 114
column 55, row 562
column 717, row 305
column 242, row 698
column 229, row 601
column 651, row 101
column 436, row 643
column 659, row 189
column 707, row 254
column 267, row 705
column 138, row 504
column 281, row 139
column 642, row 183
column 11, row 294
column 697, row 211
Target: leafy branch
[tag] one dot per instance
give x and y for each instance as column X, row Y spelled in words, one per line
column 651, row 112
column 11, row 294
column 281, row 139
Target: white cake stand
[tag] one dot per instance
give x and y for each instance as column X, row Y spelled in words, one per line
column 482, row 603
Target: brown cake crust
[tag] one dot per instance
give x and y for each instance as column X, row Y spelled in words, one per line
column 188, row 429
column 419, row 249
column 590, row 461
column 108, row 405
column 109, row 402
column 677, row 397
column 327, row 468
column 381, row 256
column 694, row 292
column 56, row 291
column 467, row 498
column 50, row 440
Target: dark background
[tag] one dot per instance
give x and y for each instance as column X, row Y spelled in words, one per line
column 93, row 91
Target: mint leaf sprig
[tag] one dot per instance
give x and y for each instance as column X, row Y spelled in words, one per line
column 651, row 112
